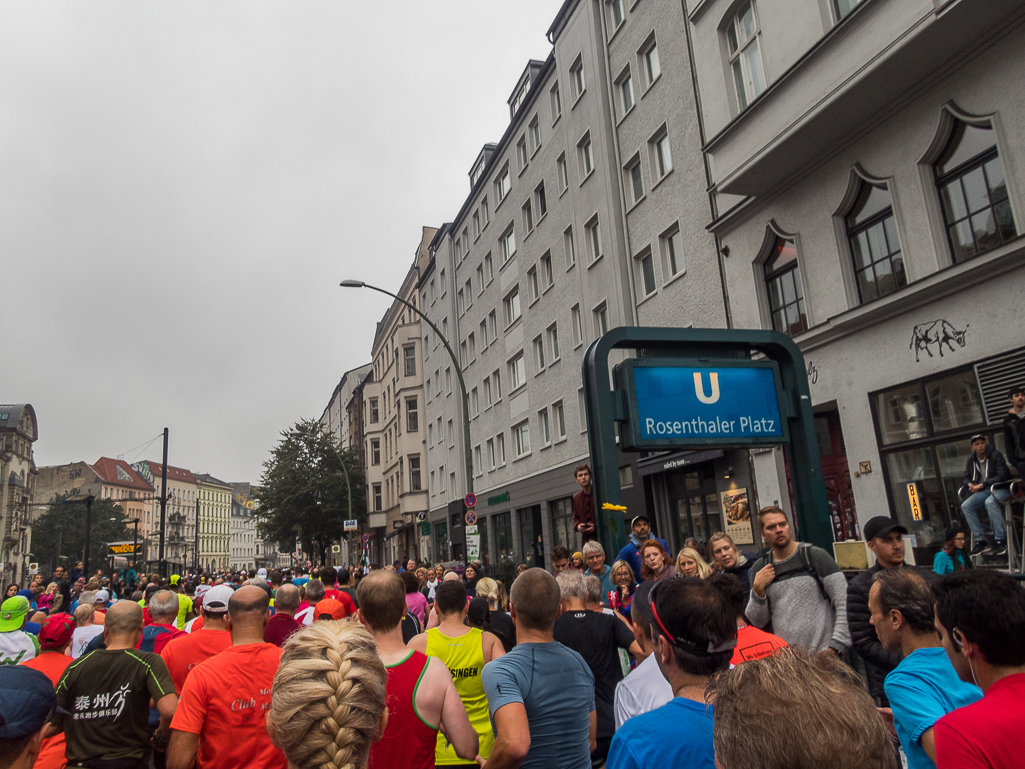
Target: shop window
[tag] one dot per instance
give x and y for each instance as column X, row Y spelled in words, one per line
column 562, row 523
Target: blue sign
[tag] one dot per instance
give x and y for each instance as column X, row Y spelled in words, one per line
column 675, row 404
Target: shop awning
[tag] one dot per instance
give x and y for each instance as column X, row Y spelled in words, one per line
column 663, row 463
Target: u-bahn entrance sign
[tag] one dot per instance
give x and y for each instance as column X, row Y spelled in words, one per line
column 701, row 388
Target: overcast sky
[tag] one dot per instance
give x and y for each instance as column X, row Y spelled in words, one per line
column 183, row 185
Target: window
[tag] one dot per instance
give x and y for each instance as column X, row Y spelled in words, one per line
column 521, row 437
column 487, row 392
column 474, row 403
column 466, row 243
column 553, row 341
column 476, row 223
column 616, row 16
column 528, row 217
column 652, row 67
column 576, row 77
column 409, row 360
column 542, row 201
column 478, row 467
column 973, row 190
column 563, row 172
column 625, row 86
column 451, row 433
column 484, row 210
column 493, row 324
column 783, row 282
column 414, row 473
column 521, row 152
column 491, row 453
column 472, row 343
column 448, row 380
column 500, row 448
column 430, row 433
column 507, row 244
column 547, row 276
column 517, row 373
column 489, row 267
column 460, row 302
column 412, row 415
column 875, row 247
column 539, row 353
column 635, row 181
column 745, row 55
column 601, row 319
column 375, row 411
column 463, row 357
column 544, row 427
column 578, row 328
column 496, row 377
column 672, row 252
column 378, row 500
column 468, row 290
column 556, row 100
column 645, row 275
column 844, row 7
column 662, row 158
column 459, row 246
column 571, row 251
column 535, row 135
column 594, row 240
column 532, row 284
column 375, row 452
column 586, row 155
column 582, row 410
column 480, row 278
column 503, row 184
column 559, row 420
column 511, row 303
column 483, row 329
column 441, row 477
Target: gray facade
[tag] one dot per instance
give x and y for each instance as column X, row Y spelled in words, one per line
column 335, row 419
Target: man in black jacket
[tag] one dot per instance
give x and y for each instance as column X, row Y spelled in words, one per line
column 985, row 467
column 885, row 538
column 1014, row 430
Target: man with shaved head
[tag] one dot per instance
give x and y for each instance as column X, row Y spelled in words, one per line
column 541, row 694
column 283, row 623
column 106, row 694
column 224, row 701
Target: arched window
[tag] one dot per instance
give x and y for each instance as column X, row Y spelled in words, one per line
column 783, row 283
column 973, row 191
column 875, row 247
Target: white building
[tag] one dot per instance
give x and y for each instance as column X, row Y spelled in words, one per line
column 335, row 419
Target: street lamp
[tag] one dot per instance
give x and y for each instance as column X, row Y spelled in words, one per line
column 455, row 363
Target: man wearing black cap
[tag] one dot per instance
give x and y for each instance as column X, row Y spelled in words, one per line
column 986, row 467
column 26, row 706
column 885, row 538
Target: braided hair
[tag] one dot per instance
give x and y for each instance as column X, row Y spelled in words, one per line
column 328, row 696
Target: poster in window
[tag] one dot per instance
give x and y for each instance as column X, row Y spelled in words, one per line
column 736, row 510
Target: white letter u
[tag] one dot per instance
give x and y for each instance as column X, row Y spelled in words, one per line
column 699, row 389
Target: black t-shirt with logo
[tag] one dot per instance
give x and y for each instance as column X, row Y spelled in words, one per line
column 107, row 694
column 597, row 638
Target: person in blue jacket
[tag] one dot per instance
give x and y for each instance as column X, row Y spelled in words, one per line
column 640, row 533
column 952, row 557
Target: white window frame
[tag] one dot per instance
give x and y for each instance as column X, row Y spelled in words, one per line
column 517, row 372
column 552, row 333
column 570, row 247
column 563, row 173
column 511, row 306
column 507, row 244
column 594, row 244
column 748, row 85
column 544, row 428
column 503, row 184
column 555, row 98
column 533, row 287
column 585, row 155
column 521, row 438
column 539, row 353
column 600, row 315
column 547, row 274
column 578, row 326
column 559, row 421
column 661, row 155
column 577, row 80
column 673, row 261
column 644, row 264
column 652, row 63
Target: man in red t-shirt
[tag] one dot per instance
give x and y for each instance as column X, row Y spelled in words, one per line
column 283, row 623
column 328, row 577
column 980, row 616
column 752, row 643
column 182, row 654
column 583, row 505
column 52, row 660
column 221, row 719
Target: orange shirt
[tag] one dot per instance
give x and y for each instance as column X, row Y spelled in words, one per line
column 754, row 644
column 53, row 665
column 183, row 653
column 225, row 701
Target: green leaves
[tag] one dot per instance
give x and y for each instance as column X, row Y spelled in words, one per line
column 65, row 521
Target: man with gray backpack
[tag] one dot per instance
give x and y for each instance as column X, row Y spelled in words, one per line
column 799, row 589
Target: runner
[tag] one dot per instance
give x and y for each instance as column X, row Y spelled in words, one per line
column 314, row 595
column 183, row 653
column 163, row 609
column 26, row 707
column 283, row 623
column 52, row 661
column 15, row 644
column 85, row 631
column 222, row 718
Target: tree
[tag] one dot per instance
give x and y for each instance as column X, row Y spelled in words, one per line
column 64, row 523
column 303, row 492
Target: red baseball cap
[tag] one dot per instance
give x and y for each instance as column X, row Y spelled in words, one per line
column 56, row 631
column 329, row 606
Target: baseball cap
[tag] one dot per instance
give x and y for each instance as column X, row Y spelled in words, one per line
column 29, row 701
column 216, row 599
column 329, row 606
column 102, row 596
column 880, row 526
column 175, row 579
column 261, row 573
column 56, row 631
column 979, row 437
column 636, row 518
column 642, row 601
column 202, row 590
column 12, row 613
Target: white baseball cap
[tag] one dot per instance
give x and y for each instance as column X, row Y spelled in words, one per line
column 261, row 573
column 216, row 599
column 102, row 596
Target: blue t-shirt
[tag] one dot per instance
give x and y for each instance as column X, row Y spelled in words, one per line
column 544, row 677
column 637, row 745
column 922, row 689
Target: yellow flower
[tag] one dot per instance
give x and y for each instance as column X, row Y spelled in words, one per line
column 607, row 506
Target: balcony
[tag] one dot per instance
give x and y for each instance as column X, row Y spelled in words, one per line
column 873, row 62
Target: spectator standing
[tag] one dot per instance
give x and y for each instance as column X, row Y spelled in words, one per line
column 689, row 563
column 923, row 687
column 640, row 532
column 1014, row 430
column 283, row 623
column 621, row 597
column 657, row 563
column 16, row 646
column 314, row 595
column 885, row 538
column 465, row 651
column 695, row 632
column 52, row 661
column 799, row 588
column 541, row 694
column 221, row 721
column 420, row 690
column 85, row 630
column 752, row 643
column 597, row 638
column 416, row 603
column 594, row 557
column 106, row 694
column 980, row 616
column 984, row 468
column 952, row 557
column 184, row 653
column 60, row 577
column 645, row 688
column 560, row 559
column 430, row 585
column 26, row 706
column 583, row 505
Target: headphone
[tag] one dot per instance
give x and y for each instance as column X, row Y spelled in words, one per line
column 958, row 639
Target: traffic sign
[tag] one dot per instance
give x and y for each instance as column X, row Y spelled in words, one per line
column 470, row 500
column 471, row 517
column 366, row 538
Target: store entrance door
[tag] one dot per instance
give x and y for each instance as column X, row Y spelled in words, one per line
column 837, row 475
column 693, row 496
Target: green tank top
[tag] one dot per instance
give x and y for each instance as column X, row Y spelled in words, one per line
column 464, row 658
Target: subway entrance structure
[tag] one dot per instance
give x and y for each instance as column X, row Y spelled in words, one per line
column 688, row 388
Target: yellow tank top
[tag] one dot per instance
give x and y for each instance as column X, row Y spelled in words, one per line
column 464, row 657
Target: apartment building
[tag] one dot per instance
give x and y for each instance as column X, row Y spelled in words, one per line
column 393, row 402
column 214, row 522
column 180, row 545
column 335, row 419
column 19, row 430
column 866, row 166
column 589, row 213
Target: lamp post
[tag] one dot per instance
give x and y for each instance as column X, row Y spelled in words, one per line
column 455, row 363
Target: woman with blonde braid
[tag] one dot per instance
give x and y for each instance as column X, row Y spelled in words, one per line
column 327, row 704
